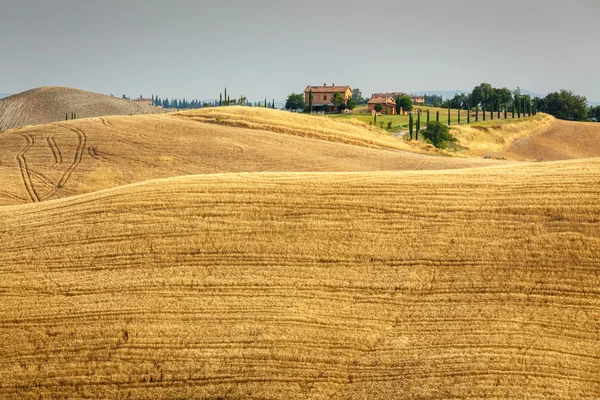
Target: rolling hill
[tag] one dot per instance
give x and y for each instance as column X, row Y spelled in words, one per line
column 62, row 159
column 474, row 283
column 51, row 104
column 540, row 138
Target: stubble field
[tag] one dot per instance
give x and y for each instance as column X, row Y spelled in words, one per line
column 467, row 283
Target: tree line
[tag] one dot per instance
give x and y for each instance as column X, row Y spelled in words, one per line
column 563, row 104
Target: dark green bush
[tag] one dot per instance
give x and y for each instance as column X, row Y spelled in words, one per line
column 438, row 134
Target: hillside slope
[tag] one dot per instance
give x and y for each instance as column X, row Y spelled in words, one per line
column 477, row 283
column 539, row 138
column 51, row 104
column 564, row 140
column 75, row 157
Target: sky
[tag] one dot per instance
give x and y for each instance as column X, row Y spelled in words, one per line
column 259, row 48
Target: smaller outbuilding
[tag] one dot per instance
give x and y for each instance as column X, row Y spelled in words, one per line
column 388, row 103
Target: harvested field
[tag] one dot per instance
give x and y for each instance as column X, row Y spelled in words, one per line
column 339, row 130
column 540, row 138
column 478, row 283
column 51, row 104
column 564, row 140
column 67, row 158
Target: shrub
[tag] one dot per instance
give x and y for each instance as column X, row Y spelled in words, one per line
column 389, row 126
column 438, row 134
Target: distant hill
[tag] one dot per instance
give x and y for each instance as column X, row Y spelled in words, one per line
column 51, row 104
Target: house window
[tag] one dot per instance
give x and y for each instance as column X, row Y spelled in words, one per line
column 324, row 97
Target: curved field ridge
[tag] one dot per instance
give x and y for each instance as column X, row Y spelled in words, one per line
column 563, row 140
column 349, row 131
column 52, row 104
column 480, row 283
column 53, row 161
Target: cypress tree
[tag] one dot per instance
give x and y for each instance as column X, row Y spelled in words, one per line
column 265, row 102
column 468, row 113
column 410, row 125
column 273, row 104
column 498, row 109
column 519, row 109
column 459, row 116
column 492, row 112
column 310, row 101
column 483, row 108
column 437, row 116
column 505, row 111
column 226, row 102
column 427, row 115
column 418, row 124
column 448, row 115
column 513, row 110
column 220, row 99
column 66, row 116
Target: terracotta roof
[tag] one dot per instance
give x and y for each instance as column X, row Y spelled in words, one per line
column 382, row 100
column 327, row 89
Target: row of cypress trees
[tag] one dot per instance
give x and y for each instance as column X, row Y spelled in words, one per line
column 523, row 107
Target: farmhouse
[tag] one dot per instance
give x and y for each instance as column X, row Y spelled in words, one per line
column 388, row 103
column 322, row 95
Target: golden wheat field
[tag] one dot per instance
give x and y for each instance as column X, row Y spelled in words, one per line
column 179, row 257
column 66, row 158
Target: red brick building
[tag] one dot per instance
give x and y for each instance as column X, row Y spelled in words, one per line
column 322, row 95
column 388, row 103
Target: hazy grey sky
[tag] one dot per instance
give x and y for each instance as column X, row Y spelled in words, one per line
column 259, row 48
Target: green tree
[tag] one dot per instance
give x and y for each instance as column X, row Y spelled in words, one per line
column 437, row 116
column 503, row 96
column 338, row 101
column 483, row 108
column 427, row 115
column 459, row 116
column 220, row 99
column 378, row 107
column 468, row 113
column 567, row 105
column 438, row 134
column 594, row 113
column 448, row 116
column 310, row 101
column 483, row 93
column 410, row 125
column 405, row 103
column 418, row 125
column 295, row 102
column 357, row 96
column 226, row 102
column 351, row 103
column 476, row 113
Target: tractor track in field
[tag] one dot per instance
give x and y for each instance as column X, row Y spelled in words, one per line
column 81, row 136
column 106, row 122
column 55, row 150
column 25, row 174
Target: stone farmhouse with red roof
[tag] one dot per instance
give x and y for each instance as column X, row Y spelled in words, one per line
column 322, row 95
column 388, row 103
